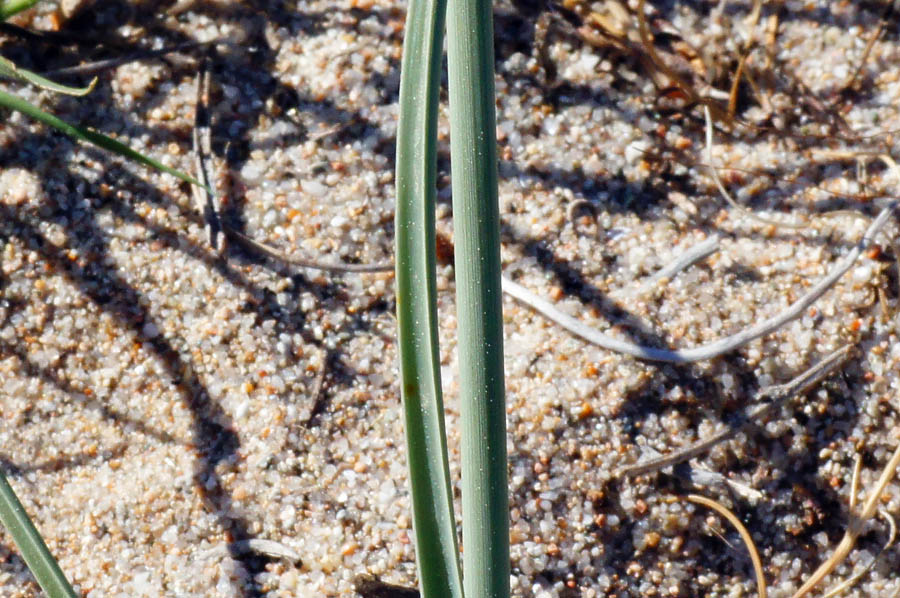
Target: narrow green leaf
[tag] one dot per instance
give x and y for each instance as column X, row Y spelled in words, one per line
column 35, row 552
column 10, row 7
column 84, row 134
column 432, row 500
column 476, row 222
column 9, row 69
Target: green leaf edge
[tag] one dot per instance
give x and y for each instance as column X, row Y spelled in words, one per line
column 479, row 305
column 434, row 522
column 9, row 69
column 87, row 135
column 9, row 8
column 35, row 552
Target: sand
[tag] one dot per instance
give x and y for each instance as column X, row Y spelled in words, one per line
column 166, row 405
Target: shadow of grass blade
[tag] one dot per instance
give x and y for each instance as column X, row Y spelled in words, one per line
column 476, row 221
column 10, row 7
column 35, row 552
column 432, row 502
column 83, row 134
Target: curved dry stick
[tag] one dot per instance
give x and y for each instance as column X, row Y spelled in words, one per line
column 853, row 529
column 776, row 395
column 691, row 256
column 93, row 68
column 745, row 536
column 594, row 336
column 715, row 348
column 303, row 263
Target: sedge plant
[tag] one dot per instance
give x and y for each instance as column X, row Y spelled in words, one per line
column 485, row 525
column 12, row 513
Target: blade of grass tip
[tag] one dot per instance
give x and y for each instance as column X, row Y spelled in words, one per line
column 426, row 442
column 476, row 215
column 35, row 552
column 10, row 7
column 99, row 139
column 9, row 69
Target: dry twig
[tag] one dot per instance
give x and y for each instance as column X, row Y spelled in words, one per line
column 270, row 252
column 98, row 66
column 882, row 24
column 659, row 64
column 208, row 203
column 892, row 535
column 745, row 536
column 715, row 348
column 775, row 395
column 713, row 171
column 854, row 527
column 691, row 256
column 261, row 546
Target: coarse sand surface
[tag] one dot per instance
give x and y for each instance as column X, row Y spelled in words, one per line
column 167, row 407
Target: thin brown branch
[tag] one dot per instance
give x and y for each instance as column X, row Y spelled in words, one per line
column 274, row 254
column 853, row 528
column 776, row 397
column 745, row 536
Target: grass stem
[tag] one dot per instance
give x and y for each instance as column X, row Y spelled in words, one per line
column 476, row 216
column 29, row 542
column 432, row 501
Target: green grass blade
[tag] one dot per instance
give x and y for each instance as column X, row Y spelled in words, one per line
column 476, row 221
column 14, row 103
column 35, row 552
column 432, row 500
column 10, row 7
column 9, row 69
